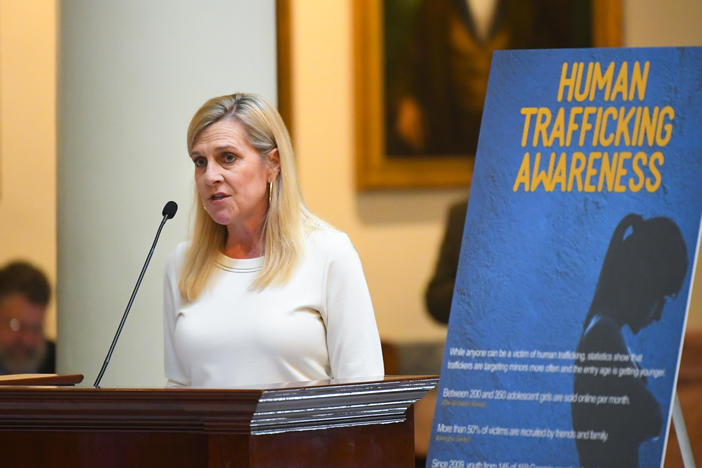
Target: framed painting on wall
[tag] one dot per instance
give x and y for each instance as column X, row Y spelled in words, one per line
column 421, row 69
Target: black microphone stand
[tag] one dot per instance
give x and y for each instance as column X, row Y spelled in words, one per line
column 168, row 212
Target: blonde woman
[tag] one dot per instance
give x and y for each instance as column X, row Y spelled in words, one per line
column 264, row 292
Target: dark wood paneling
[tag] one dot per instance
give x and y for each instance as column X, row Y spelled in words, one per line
column 284, row 62
column 390, row 446
column 33, row 449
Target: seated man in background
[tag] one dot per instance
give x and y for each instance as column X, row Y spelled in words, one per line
column 24, row 296
column 439, row 292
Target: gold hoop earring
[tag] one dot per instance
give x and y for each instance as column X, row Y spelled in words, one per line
column 270, row 192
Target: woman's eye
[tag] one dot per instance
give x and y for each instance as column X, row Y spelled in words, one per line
column 200, row 162
column 229, row 157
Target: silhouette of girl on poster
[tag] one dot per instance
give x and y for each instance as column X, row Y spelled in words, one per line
column 646, row 263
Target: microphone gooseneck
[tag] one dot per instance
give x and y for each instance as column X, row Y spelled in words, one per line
column 168, row 212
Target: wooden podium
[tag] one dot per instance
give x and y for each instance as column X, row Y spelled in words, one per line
column 322, row 424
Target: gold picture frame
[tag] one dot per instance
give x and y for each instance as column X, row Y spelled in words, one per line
column 377, row 170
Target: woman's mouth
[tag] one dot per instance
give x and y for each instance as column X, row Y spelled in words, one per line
column 217, row 198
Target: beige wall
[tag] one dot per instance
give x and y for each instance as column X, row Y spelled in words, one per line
column 28, row 136
column 397, row 233
column 656, row 23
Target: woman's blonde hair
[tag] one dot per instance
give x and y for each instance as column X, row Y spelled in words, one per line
column 287, row 217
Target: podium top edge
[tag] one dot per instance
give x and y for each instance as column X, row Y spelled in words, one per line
column 65, row 382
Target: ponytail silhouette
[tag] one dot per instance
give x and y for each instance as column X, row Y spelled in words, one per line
column 646, row 262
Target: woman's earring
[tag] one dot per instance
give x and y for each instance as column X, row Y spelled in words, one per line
column 270, row 192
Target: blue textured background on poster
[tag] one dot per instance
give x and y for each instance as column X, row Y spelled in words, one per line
column 530, row 261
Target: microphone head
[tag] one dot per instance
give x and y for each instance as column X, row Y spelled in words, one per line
column 170, row 209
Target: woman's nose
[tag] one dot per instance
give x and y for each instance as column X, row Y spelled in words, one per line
column 213, row 174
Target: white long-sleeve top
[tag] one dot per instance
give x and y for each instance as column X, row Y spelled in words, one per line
column 319, row 325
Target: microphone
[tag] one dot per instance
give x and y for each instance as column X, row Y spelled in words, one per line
column 168, row 212
column 169, row 209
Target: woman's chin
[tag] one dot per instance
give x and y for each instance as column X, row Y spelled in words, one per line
column 222, row 219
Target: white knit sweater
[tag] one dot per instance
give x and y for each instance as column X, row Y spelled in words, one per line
column 319, row 325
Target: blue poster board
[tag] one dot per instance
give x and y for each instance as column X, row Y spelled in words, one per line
column 577, row 260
